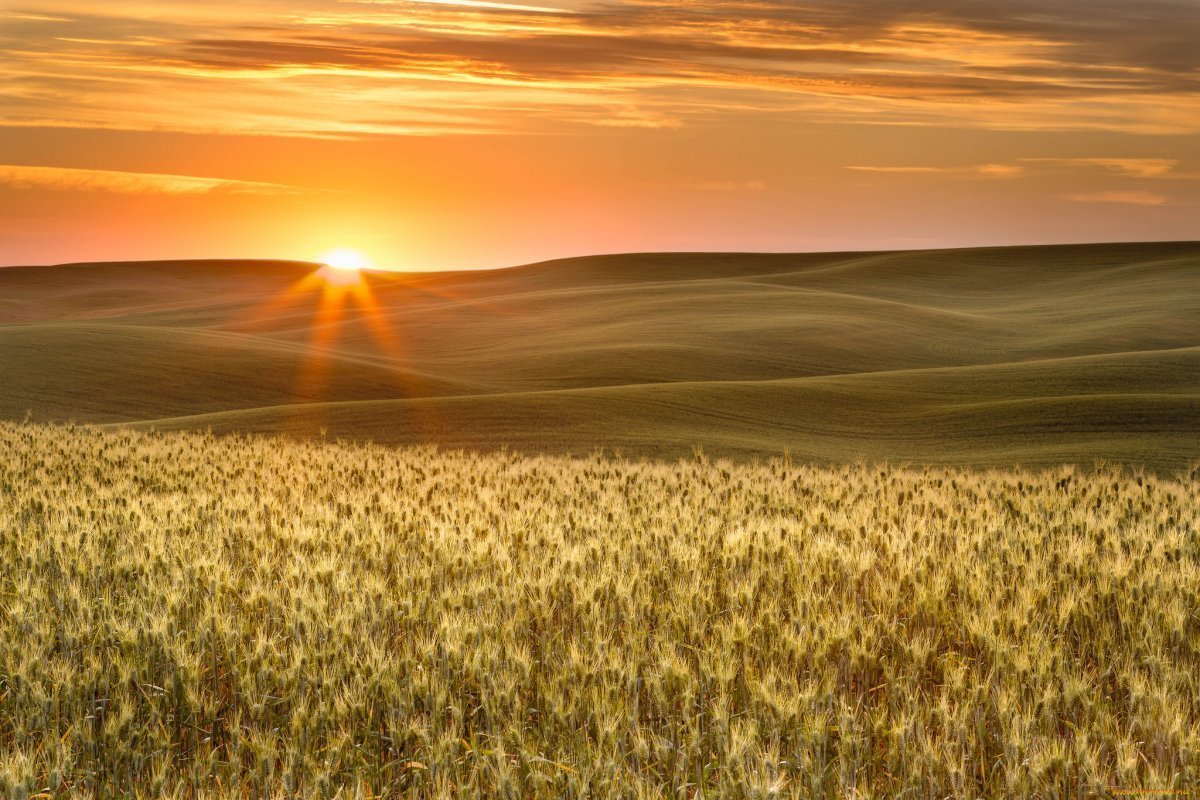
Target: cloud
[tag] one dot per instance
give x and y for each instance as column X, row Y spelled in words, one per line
column 485, row 4
column 903, row 170
column 98, row 180
column 432, row 66
column 1131, row 167
column 30, row 17
column 1141, row 168
column 637, row 118
column 1124, row 198
column 986, row 170
column 1000, row 170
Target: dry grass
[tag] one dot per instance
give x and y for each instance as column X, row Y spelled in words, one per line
column 186, row 616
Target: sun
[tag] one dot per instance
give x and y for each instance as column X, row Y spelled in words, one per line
column 345, row 258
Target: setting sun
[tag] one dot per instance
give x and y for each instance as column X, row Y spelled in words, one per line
column 345, row 258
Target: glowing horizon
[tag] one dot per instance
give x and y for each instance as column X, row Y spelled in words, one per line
column 346, row 259
column 465, row 133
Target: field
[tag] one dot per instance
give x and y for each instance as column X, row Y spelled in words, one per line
column 185, row 615
column 878, row 525
column 993, row 357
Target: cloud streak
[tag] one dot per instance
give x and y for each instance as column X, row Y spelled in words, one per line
column 985, row 170
column 1129, row 167
column 1121, row 198
column 97, row 180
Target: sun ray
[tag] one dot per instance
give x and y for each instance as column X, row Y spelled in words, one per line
column 342, row 311
column 346, row 297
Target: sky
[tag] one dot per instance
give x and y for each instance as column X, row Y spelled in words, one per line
column 434, row 134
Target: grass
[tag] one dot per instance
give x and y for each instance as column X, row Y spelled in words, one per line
column 987, row 357
column 183, row 615
column 316, row 615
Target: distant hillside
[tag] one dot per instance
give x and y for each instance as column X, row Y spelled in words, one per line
column 994, row 356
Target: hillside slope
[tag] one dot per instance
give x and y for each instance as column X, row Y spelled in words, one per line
column 986, row 356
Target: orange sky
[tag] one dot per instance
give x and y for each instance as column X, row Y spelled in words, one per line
column 435, row 134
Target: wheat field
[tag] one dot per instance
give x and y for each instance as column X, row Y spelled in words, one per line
column 186, row 615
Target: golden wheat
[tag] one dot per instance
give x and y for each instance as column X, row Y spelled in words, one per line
column 190, row 616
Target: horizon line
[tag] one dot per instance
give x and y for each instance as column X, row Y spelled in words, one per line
column 613, row 254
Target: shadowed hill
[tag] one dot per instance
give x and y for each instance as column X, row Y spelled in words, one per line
column 984, row 356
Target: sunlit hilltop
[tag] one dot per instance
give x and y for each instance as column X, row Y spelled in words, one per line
column 345, row 258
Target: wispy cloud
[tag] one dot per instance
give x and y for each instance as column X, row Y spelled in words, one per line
column 986, row 170
column 432, row 66
column 637, row 118
column 98, row 180
column 30, row 17
column 1130, row 167
column 472, row 4
column 902, row 170
column 1123, row 198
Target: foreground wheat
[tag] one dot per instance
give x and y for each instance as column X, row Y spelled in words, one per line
column 195, row 617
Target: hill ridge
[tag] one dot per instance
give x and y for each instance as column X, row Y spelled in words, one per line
column 1076, row 351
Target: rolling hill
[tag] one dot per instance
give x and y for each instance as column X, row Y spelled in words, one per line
column 981, row 357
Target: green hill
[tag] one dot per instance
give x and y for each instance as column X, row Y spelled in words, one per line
column 995, row 356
